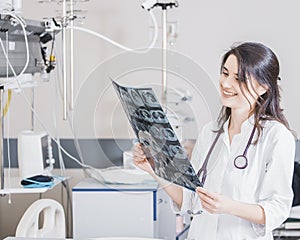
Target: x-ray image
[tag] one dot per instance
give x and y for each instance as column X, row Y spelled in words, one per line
column 136, row 98
column 159, row 141
column 149, row 98
column 125, row 95
column 155, row 131
column 131, row 111
column 159, row 116
column 145, row 115
column 169, row 134
column 138, row 126
column 178, row 151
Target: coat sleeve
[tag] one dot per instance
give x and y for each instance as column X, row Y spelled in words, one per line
column 276, row 194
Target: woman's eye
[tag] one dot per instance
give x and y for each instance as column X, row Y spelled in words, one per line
column 225, row 74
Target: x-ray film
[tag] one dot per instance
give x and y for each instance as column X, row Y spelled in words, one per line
column 159, row 141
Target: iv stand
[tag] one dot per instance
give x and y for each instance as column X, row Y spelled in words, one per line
column 64, row 39
column 65, row 21
column 164, row 7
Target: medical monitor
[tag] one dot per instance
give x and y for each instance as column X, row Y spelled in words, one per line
column 12, row 36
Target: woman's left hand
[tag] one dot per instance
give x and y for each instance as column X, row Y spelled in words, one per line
column 215, row 202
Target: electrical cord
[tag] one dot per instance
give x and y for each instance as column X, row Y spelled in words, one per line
column 65, row 183
column 21, row 21
column 16, row 78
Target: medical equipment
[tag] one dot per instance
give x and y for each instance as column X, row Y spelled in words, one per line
column 240, row 162
column 192, row 203
column 32, row 151
column 20, row 38
column 66, row 22
column 164, row 6
column 12, row 36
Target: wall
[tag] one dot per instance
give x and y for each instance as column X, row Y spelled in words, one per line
column 206, row 29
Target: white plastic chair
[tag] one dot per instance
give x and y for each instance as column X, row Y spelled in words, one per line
column 53, row 216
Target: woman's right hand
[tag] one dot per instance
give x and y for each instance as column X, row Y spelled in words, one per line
column 140, row 159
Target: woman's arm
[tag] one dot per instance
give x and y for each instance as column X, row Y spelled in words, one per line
column 217, row 203
column 174, row 191
column 275, row 191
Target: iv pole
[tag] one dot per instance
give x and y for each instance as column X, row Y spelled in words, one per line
column 65, row 21
column 64, row 39
column 164, row 7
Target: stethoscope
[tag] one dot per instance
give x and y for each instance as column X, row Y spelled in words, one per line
column 240, row 162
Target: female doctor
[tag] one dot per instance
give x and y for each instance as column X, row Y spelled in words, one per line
column 248, row 154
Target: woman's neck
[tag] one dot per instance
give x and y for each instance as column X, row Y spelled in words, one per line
column 235, row 123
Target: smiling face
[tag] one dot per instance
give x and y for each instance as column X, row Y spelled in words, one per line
column 236, row 94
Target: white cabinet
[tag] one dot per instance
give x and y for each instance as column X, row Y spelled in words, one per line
column 137, row 210
column 114, row 210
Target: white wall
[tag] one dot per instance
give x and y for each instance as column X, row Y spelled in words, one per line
column 206, row 29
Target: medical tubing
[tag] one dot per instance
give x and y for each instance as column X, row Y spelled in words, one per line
column 5, row 111
column 65, row 182
column 37, row 116
column 120, row 45
column 7, row 104
column 60, row 158
column 23, row 25
column 34, row 112
column 8, row 157
column 76, row 143
column 58, row 91
column 203, row 169
column 249, row 141
column 70, row 113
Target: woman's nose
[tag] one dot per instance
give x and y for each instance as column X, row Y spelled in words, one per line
column 226, row 82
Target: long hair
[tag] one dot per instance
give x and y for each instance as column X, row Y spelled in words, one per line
column 256, row 61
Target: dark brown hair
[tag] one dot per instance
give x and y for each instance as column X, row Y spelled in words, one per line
column 258, row 62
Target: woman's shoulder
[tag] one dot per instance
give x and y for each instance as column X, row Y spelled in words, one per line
column 210, row 127
column 276, row 129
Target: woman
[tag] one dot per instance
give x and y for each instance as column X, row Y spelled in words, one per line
column 249, row 196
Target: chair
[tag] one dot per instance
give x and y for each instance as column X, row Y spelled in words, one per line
column 44, row 218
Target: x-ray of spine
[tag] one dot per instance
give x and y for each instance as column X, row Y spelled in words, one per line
column 155, row 133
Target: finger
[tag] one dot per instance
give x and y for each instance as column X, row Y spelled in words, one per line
column 139, row 155
column 137, row 152
column 206, row 192
column 209, row 208
column 139, row 160
column 204, row 198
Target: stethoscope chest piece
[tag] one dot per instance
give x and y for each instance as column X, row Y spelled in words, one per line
column 240, row 162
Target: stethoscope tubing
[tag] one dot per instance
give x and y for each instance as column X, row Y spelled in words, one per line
column 203, row 170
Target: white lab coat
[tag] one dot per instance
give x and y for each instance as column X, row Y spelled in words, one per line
column 267, row 181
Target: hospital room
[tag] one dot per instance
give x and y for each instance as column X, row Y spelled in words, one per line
column 149, row 119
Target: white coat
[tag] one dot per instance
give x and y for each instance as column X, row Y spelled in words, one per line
column 266, row 181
